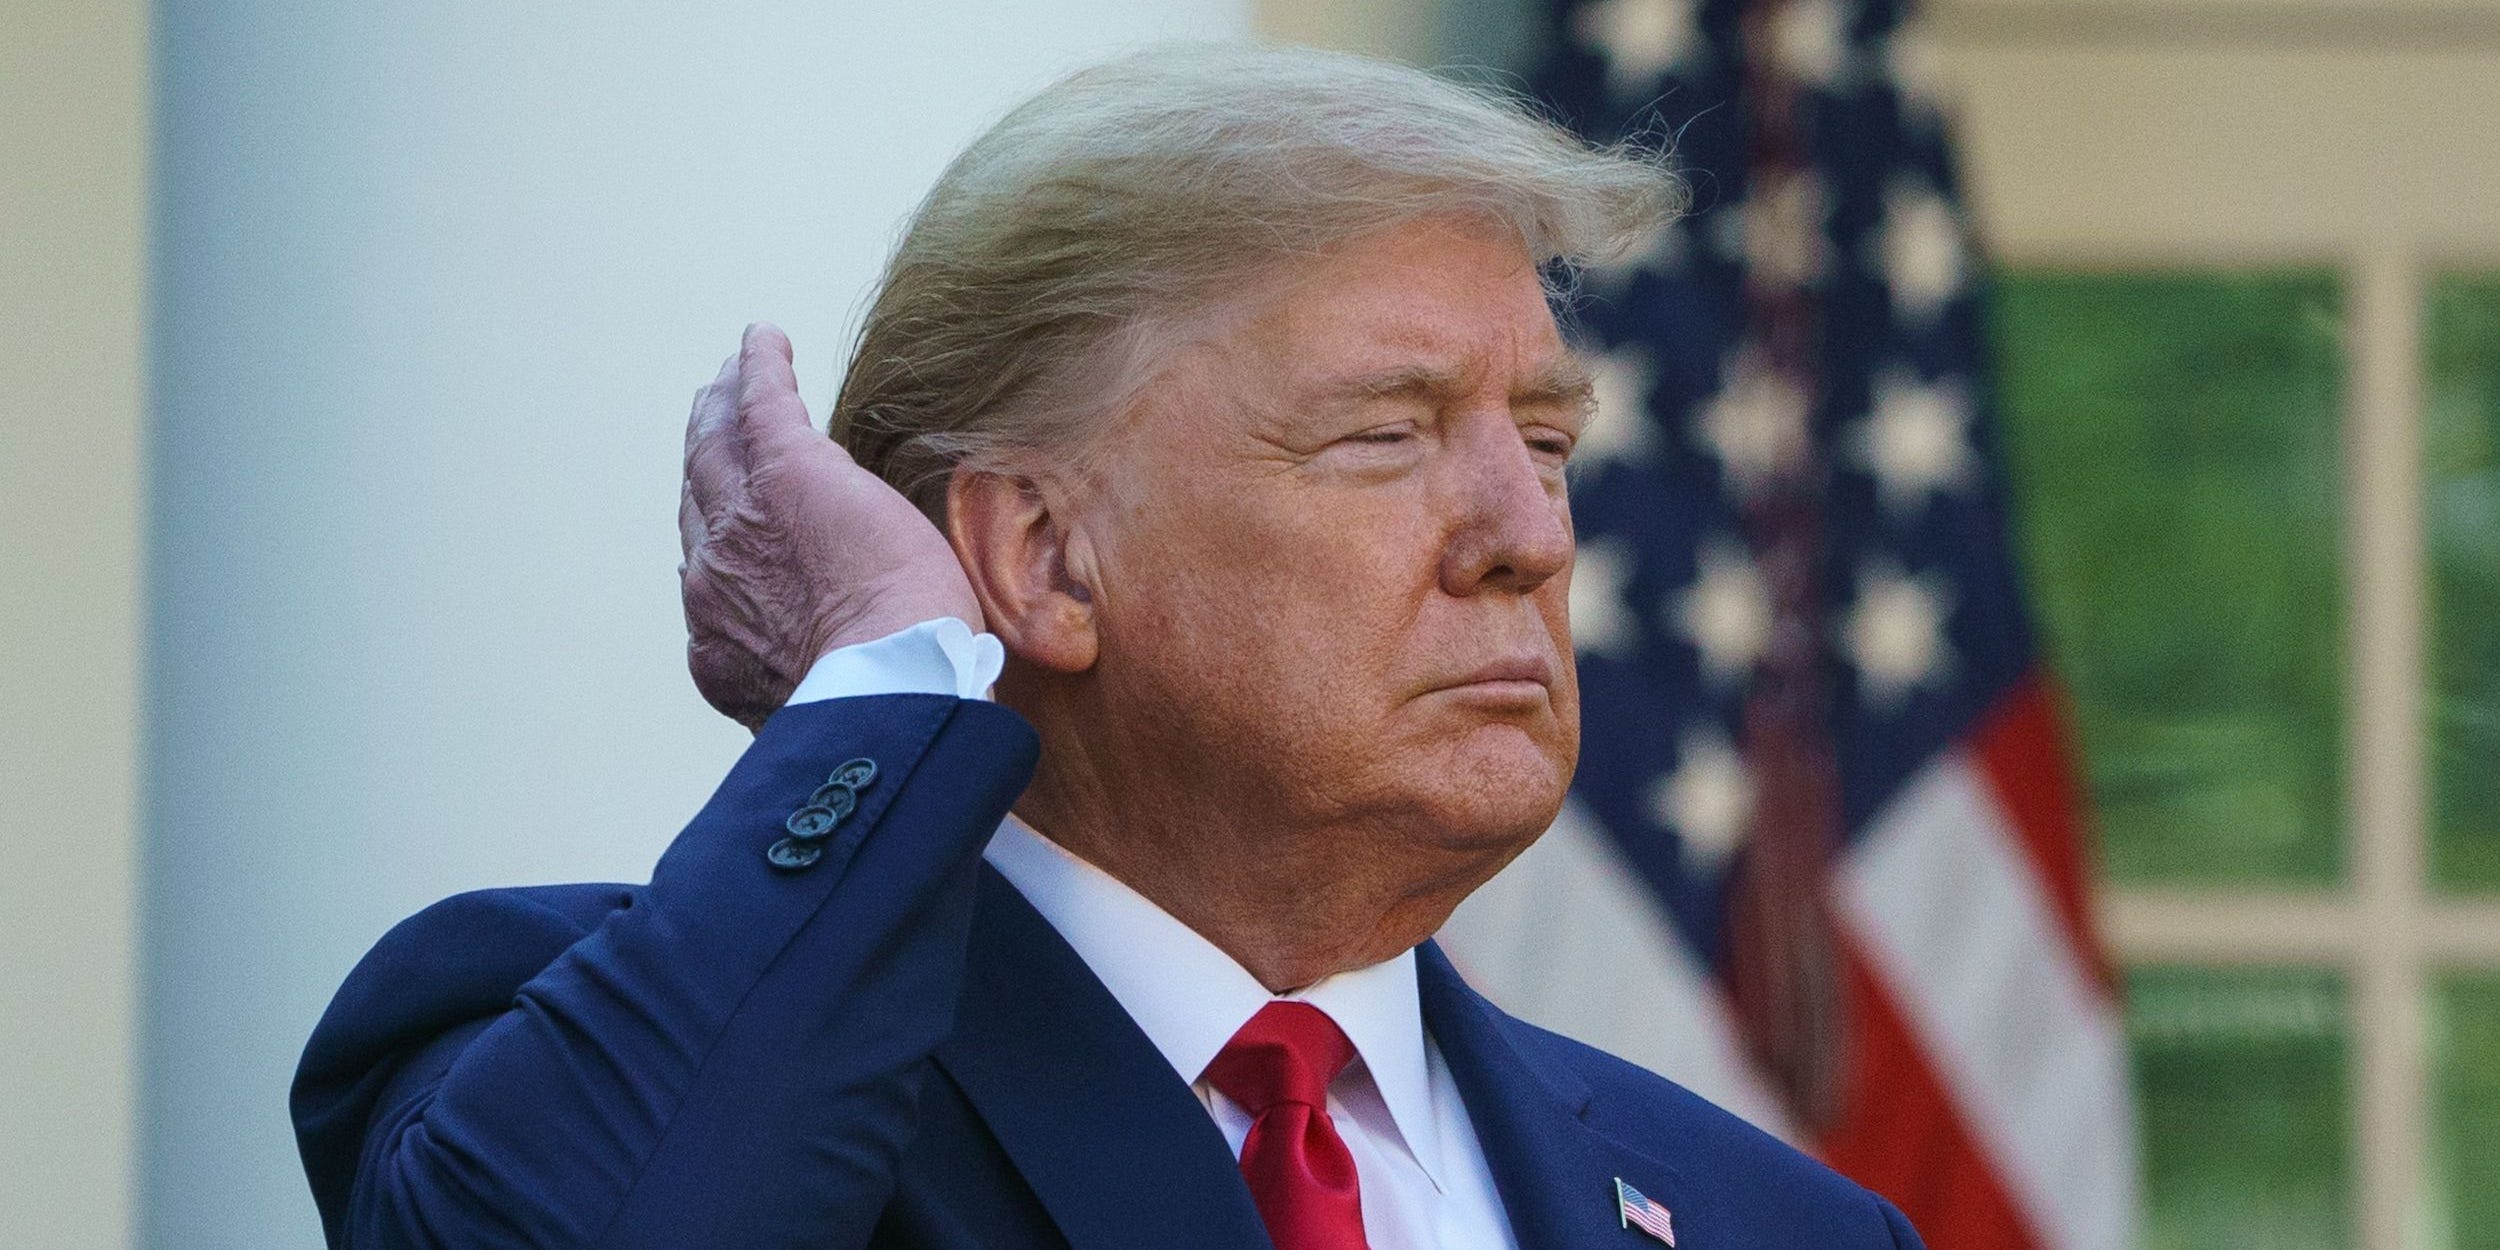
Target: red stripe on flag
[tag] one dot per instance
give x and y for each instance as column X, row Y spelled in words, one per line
column 1900, row 1135
column 2021, row 748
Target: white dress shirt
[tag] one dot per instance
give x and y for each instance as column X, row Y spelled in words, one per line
column 1423, row 1177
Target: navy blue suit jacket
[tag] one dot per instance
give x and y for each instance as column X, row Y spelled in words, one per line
column 890, row 1047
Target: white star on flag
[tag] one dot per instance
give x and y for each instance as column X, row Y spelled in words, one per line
column 1600, row 622
column 1895, row 634
column 1756, row 424
column 1727, row 613
column 1810, row 39
column 1707, row 802
column 1916, row 441
column 1620, row 428
column 1923, row 259
column 1640, row 39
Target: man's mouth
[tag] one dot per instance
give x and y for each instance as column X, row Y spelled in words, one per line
column 1519, row 674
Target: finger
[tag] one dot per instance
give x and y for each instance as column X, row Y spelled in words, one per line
column 769, row 407
column 690, row 524
column 712, row 399
column 715, row 456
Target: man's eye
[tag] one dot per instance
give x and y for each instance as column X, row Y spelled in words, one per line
column 1556, row 445
column 1383, row 437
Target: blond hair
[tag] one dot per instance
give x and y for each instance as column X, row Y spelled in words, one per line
column 1039, row 281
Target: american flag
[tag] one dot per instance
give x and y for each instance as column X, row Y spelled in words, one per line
column 1640, row 1212
column 1823, row 827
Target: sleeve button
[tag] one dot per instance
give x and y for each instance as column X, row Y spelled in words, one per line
column 837, row 798
column 856, row 774
column 811, row 822
column 790, row 854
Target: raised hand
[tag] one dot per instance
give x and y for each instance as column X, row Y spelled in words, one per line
column 792, row 549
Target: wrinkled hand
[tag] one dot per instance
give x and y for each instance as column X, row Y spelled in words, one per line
column 791, row 548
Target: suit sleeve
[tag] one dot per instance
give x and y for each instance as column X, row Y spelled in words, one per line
column 1904, row 1237
column 727, row 1056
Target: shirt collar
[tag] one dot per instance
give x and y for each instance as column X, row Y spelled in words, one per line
column 1189, row 997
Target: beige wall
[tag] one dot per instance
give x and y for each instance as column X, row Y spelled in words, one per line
column 72, row 240
column 2258, row 131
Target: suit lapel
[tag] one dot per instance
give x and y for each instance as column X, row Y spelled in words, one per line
column 1119, row 1150
column 1556, row 1174
column 1122, row 1154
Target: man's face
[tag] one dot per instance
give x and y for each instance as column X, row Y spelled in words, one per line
column 1336, row 549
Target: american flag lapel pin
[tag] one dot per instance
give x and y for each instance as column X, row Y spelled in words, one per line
column 1640, row 1211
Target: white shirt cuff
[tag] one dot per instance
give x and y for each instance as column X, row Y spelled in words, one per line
column 941, row 656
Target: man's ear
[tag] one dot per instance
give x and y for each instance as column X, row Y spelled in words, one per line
column 1031, row 567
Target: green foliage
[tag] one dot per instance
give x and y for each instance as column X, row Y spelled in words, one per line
column 2466, row 1101
column 2242, row 1084
column 2172, row 440
column 2465, row 1066
column 2462, row 480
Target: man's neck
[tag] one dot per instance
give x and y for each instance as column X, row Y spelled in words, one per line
column 1290, row 908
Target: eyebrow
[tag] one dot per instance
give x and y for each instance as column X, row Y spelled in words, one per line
column 1563, row 380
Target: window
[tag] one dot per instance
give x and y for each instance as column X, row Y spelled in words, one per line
column 2173, row 443
column 2461, row 461
column 2461, row 497
column 2279, row 627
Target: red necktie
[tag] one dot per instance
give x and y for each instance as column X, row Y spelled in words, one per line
column 1278, row 1068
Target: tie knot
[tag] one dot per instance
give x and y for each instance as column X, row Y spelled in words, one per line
column 1289, row 1052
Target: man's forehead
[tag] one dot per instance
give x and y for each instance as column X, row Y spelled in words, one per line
column 1425, row 270
column 1466, row 336
column 1554, row 374
column 1431, row 307
column 1463, row 342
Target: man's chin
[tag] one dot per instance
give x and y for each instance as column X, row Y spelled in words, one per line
column 1525, row 755
column 1499, row 838
column 1496, row 800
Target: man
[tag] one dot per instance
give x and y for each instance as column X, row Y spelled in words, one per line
column 1230, row 382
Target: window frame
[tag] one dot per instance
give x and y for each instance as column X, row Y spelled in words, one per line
column 2253, row 134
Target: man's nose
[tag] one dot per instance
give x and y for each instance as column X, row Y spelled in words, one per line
column 1512, row 528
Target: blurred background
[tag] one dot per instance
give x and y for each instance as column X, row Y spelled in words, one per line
column 343, row 355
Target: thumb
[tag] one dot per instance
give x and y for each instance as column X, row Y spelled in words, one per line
column 768, row 387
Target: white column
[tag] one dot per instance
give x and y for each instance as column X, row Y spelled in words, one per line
column 73, row 240
column 433, row 285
